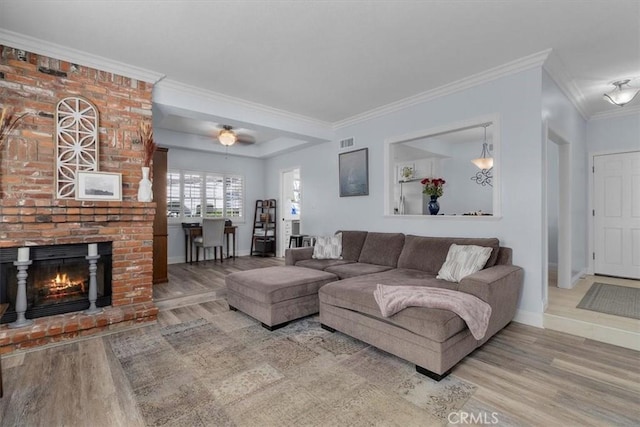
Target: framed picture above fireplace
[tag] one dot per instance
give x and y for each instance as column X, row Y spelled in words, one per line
column 98, row 186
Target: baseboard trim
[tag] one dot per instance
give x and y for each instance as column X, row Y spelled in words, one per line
column 529, row 318
column 579, row 275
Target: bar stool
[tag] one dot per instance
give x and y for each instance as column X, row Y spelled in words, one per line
column 308, row 241
column 297, row 239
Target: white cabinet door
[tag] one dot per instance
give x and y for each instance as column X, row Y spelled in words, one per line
column 617, row 214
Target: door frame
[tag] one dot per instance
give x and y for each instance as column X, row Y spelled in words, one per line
column 565, row 277
column 591, row 224
column 283, row 244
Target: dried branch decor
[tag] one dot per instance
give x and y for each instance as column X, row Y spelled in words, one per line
column 146, row 138
column 8, row 122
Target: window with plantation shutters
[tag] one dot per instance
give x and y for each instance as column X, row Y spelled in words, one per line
column 214, row 196
column 192, row 193
column 174, row 204
column 203, row 194
column 234, row 197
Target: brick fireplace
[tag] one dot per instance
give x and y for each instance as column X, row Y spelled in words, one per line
column 30, row 215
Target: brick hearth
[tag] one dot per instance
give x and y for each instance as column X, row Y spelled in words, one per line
column 29, row 213
column 49, row 222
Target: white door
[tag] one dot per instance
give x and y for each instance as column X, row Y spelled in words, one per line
column 617, row 214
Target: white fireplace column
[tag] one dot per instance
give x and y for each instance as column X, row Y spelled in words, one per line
column 93, row 283
column 22, row 264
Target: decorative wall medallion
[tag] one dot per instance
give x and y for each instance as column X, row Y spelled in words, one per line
column 484, row 177
column 76, row 143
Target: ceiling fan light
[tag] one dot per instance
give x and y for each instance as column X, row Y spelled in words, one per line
column 483, row 162
column 621, row 95
column 227, row 137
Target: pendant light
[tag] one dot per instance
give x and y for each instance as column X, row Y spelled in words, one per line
column 621, row 95
column 485, row 161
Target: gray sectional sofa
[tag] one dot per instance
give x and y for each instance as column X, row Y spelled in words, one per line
column 434, row 339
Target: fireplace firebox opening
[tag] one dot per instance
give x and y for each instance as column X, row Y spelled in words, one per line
column 57, row 281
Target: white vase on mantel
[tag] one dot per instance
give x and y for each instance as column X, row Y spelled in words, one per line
column 145, row 193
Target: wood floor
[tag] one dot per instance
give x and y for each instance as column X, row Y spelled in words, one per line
column 523, row 376
column 563, row 315
column 203, row 281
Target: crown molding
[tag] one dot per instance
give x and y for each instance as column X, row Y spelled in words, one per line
column 42, row 47
column 620, row 112
column 522, row 64
column 558, row 72
column 209, row 95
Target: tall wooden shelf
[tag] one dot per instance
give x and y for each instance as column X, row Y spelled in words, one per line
column 263, row 237
column 160, row 233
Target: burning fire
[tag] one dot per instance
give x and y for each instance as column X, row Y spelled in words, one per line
column 60, row 279
column 62, row 285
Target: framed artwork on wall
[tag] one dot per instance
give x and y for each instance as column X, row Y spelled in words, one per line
column 353, row 170
column 98, row 186
column 406, row 171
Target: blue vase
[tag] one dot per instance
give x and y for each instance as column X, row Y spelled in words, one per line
column 433, row 205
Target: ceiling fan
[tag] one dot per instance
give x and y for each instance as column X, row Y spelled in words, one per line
column 227, row 137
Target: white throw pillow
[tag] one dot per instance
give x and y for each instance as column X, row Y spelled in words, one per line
column 463, row 260
column 328, row 247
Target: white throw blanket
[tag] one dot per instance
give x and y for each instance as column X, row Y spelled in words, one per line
column 474, row 311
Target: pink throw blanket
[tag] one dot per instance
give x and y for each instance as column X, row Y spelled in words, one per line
column 474, row 311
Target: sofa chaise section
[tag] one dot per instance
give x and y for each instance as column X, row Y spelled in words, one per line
column 434, row 339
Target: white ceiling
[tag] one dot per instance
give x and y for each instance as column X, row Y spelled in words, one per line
column 334, row 60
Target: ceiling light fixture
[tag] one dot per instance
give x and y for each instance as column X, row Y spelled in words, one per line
column 621, row 95
column 226, row 136
column 485, row 161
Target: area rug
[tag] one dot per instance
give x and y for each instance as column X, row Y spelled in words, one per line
column 229, row 371
column 612, row 299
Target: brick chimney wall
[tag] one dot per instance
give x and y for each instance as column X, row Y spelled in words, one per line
column 31, row 215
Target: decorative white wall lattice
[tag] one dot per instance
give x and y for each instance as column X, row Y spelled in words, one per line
column 76, row 143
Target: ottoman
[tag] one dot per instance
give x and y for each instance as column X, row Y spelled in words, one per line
column 276, row 295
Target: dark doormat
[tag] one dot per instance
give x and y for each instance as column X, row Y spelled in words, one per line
column 612, row 299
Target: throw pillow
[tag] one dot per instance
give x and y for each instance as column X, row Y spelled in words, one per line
column 328, row 247
column 463, row 260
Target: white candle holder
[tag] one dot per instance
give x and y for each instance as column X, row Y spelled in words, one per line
column 93, row 249
column 23, row 254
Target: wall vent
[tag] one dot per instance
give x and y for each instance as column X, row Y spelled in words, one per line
column 347, row 143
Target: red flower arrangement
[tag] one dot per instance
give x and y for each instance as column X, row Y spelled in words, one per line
column 433, row 186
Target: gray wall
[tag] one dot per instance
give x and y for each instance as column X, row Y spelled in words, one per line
column 553, row 201
column 565, row 120
column 614, row 134
column 516, row 99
